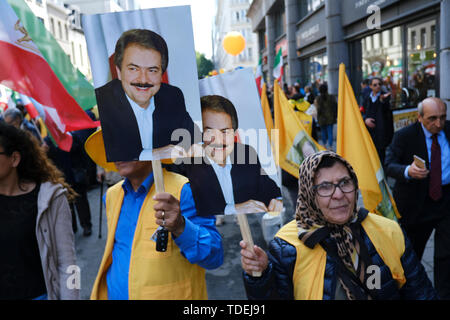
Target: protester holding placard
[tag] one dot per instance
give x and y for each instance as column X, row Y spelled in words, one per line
column 333, row 250
column 131, row 266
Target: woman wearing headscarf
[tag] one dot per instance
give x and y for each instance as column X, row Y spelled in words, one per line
column 332, row 250
column 36, row 239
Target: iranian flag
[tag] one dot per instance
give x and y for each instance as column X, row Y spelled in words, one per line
column 278, row 66
column 259, row 76
column 51, row 120
column 29, row 106
column 32, row 63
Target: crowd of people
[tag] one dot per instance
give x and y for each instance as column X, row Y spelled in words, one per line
column 332, row 249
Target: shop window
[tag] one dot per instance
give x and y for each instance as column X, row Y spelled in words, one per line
column 314, row 4
column 433, row 36
column 422, row 62
column 423, row 37
column 262, row 39
column 388, row 63
column 315, row 70
column 413, row 43
column 302, row 6
column 385, row 61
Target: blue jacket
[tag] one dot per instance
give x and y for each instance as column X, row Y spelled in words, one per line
column 276, row 280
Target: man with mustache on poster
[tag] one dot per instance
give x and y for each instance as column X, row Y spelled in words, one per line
column 138, row 112
column 230, row 178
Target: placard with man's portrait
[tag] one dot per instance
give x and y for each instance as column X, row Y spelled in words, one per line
column 145, row 77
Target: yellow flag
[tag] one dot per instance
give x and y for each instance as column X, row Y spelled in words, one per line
column 356, row 146
column 294, row 143
column 301, row 106
column 266, row 110
column 43, row 128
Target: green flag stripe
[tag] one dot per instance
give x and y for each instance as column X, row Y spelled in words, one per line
column 71, row 78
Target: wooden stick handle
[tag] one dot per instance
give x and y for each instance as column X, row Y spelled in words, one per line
column 247, row 236
column 158, row 175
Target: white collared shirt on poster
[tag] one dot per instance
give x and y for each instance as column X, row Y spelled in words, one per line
column 226, row 184
column 144, row 118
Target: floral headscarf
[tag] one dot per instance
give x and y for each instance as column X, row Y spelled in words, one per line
column 311, row 223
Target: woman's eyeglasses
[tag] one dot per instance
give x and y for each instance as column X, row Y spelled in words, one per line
column 327, row 189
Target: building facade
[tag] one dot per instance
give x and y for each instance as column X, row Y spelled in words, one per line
column 103, row 6
column 63, row 22
column 406, row 43
column 232, row 16
column 63, row 19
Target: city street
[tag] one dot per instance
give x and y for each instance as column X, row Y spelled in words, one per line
column 224, row 283
column 256, row 94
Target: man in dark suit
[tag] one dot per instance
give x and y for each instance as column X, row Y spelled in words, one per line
column 229, row 179
column 133, row 123
column 378, row 117
column 422, row 195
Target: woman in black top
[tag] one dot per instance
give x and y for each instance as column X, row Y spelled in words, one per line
column 36, row 238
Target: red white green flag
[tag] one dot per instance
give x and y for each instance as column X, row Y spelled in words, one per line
column 259, row 76
column 278, row 66
column 51, row 120
column 32, row 63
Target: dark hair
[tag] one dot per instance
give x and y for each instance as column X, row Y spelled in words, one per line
column 220, row 104
column 328, row 162
column 13, row 113
column 34, row 164
column 376, row 78
column 145, row 38
column 323, row 89
column 366, row 81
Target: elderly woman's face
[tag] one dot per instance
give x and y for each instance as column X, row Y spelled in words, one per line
column 337, row 207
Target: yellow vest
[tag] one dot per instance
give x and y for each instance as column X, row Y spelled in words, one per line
column 309, row 271
column 153, row 275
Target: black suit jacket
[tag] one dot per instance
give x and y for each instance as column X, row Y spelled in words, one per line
column 384, row 124
column 119, row 125
column 410, row 194
column 248, row 178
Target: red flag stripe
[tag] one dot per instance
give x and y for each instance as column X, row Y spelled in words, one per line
column 30, row 74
